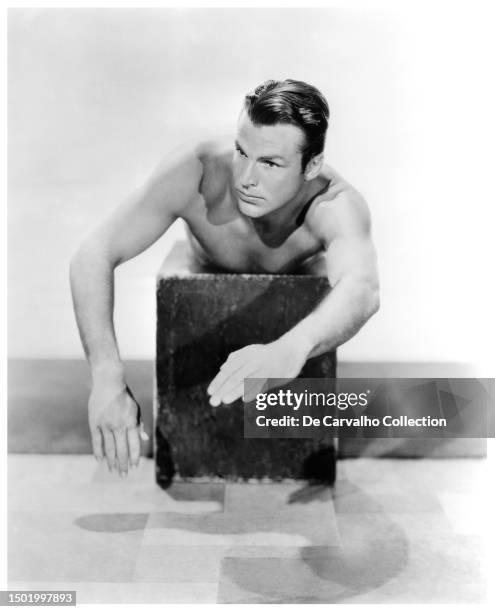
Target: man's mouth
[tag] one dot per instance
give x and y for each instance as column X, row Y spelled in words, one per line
column 247, row 197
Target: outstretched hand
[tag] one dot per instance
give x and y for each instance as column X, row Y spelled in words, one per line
column 282, row 359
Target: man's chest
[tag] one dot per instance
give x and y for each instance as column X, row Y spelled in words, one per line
column 231, row 243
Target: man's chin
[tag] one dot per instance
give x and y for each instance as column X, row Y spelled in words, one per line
column 249, row 209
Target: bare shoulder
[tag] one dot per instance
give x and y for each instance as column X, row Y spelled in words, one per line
column 342, row 210
column 210, row 150
column 179, row 174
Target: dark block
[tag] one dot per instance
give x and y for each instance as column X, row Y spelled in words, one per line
column 202, row 316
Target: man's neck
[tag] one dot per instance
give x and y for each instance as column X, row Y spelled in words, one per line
column 275, row 227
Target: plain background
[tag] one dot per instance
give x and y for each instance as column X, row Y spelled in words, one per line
column 98, row 96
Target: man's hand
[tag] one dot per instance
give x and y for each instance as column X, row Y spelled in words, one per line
column 115, row 424
column 281, row 359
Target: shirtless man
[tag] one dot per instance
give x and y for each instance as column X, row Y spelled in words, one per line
column 264, row 203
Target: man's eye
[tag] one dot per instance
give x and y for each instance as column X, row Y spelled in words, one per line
column 240, row 152
column 270, row 164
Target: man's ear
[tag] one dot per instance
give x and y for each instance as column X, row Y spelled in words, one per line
column 313, row 167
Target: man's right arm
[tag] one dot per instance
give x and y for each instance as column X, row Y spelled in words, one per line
column 131, row 228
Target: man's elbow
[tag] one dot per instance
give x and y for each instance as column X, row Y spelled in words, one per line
column 89, row 255
column 369, row 297
column 374, row 302
column 372, row 299
column 77, row 261
column 80, row 259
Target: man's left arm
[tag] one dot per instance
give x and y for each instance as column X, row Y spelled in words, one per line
column 343, row 225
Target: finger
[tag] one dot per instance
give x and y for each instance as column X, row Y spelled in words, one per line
column 235, row 393
column 121, row 448
column 236, row 379
column 134, row 445
column 223, row 376
column 139, row 425
column 109, row 448
column 225, row 372
column 97, row 442
column 253, row 386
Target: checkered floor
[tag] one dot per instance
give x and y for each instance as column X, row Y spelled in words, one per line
column 391, row 531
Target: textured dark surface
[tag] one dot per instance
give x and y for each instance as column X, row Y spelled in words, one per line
column 201, row 318
column 48, row 408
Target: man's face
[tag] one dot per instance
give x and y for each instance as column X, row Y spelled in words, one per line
column 266, row 166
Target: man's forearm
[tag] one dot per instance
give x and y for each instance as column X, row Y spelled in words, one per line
column 337, row 318
column 92, row 285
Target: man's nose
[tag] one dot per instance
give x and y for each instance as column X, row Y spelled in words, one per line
column 248, row 176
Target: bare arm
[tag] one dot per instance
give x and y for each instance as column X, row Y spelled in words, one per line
column 344, row 227
column 131, row 228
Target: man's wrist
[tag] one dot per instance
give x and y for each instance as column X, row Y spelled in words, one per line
column 108, row 371
column 298, row 341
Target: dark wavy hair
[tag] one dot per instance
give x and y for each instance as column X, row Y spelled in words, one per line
column 293, row 102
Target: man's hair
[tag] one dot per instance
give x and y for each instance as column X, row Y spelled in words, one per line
column 293, row 102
